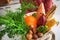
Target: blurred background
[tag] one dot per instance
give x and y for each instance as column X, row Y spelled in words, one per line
column 14, row 4
column 56, row 29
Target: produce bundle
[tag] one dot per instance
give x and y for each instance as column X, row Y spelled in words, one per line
column 29, row 26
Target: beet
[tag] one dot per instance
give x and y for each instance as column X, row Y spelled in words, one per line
column 38, row 2
column 42, row 20
column 48, row 5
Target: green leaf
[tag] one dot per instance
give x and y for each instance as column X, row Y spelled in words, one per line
column 42, row 29
column 35, row 15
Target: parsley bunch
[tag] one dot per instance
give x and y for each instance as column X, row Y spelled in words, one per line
column 14, row 21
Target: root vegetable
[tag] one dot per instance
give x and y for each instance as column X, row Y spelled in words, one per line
column 41, row 21
column 38, row 2
column 35, row 36
column 48, row 5
column 40, row 34
column 30, row 31
column 29, row 36
column 34, row 31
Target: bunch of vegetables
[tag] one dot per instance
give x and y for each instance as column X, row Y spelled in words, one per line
column 38, row 23
column 29, row 27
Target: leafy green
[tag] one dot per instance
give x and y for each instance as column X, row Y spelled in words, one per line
column 42, row 29
column 25, row 5
column 34, row 14
column 14, row 21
